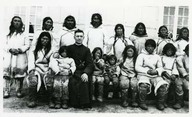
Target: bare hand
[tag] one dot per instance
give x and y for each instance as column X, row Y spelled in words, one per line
column 173, row 77
column 64, row 72
column 13, row 51
column 152, row 72
column 84, row 77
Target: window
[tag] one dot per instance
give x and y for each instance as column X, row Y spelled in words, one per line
column 169, row 15
column 182, row 18
column 35, row 18
column 175, row 18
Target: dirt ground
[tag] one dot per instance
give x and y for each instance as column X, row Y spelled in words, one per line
column 18, row 105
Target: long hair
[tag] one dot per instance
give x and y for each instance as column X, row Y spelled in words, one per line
column 95, row 50
column 169, row 46
column 181, row 35
column 69, row 17
column 122, row 27
column 44, row 20
column 39, row 44
column 136, row 29
column 99, row 17
column 12, row 28
column 159, row 32
column 124, row 54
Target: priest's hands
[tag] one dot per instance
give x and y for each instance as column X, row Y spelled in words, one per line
column 84, row 77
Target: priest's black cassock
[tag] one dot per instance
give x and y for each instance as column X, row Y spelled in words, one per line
column 80, row 92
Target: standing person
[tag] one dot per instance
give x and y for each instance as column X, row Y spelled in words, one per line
column 111, row 77
column 66, row 35
column 116, row 44
column 97, row 77
column 182, row 83
column 96, row 35
column 47, row 26
column 80, row 82
column 15, row 57
column 170, row 72
column 163, row 39
column 128, row 76
column 63, row 67
column 38, row 66
column 139, row 36
column 149, row 68
column 182, row 41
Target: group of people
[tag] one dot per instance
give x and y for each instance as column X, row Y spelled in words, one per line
column 77, row 67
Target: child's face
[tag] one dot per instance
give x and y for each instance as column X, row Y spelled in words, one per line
column 185, row 33
column 163, row 31
column 112, row 61
column 130, row 53
column 140, row 30
column 119, row 31
column 169, row 52
column 98, row 54
column 64, row 54
column 149, row 49
column 96, row 21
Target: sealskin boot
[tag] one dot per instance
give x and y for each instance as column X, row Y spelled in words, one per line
column 124, row 94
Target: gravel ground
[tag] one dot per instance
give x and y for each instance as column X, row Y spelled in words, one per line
column 14, row 104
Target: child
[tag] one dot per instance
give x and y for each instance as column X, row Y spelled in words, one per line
column 98, row 73
column 63, row 67
column 116, row 44
column 149, row 68
column 128, row 75
column 163, row 39
column 182, row 41
column 111, row 76
column 170, row 71
column 182, row 83
column 139, row 36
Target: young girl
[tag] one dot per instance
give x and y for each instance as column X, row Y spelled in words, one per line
column 128, row 75
column 62, row 67
column 116, row 44
column 182, row 41
column 170, row 72
column 163, row 39
column 111, row 76
column 97, row 77
column 139, row 36
column 15, row 57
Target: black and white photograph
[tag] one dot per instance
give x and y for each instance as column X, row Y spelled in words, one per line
column 114, row 57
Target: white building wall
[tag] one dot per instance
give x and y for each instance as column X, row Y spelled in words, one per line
column 151, row 16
